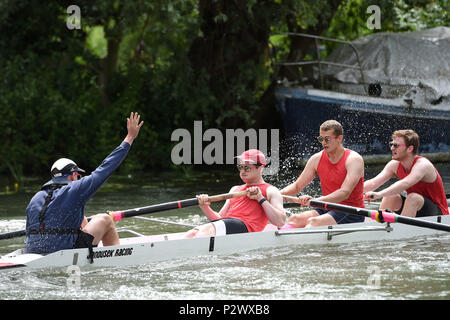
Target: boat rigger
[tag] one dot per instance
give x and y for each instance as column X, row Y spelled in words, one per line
column 140, row 250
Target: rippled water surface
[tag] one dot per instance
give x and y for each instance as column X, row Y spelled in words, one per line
column 413, row 269
column 416, row 269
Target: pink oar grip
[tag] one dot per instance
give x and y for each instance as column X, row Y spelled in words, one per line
column 389, row 217
column 373, row 215
column 117, row 215
column 287, row 226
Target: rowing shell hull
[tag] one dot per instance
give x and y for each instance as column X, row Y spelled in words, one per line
column 147, row 249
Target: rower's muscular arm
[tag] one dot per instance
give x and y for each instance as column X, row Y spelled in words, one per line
column 204, row 205
column 307, row 175
column 387, row 173
column 418, row 172
column 273, row 207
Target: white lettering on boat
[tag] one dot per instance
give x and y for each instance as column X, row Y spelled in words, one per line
column 113, row 253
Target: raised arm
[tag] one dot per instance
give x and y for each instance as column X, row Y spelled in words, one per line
column 88, row 185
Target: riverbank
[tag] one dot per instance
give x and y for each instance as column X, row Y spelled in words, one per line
column 198, row 176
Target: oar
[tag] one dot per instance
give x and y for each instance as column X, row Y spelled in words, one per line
column 380, row 216
column 119, row 215
column 12, row 234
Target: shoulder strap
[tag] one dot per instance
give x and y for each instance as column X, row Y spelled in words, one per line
column 415, row 160
column 42, row 230
column 48, row 198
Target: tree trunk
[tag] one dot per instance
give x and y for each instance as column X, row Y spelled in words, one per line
column 233, row 42
column 107, row 68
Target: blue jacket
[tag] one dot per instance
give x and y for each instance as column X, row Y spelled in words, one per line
column 65, row 210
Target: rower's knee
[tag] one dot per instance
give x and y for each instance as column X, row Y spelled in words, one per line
column 313, row 222
column 393, row 203
column 323, row 220
column 414, row 200
column 296, row 220
column 205, row 230
column 105, row 220
column 191, row 233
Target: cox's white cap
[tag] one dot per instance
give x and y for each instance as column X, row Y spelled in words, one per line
column 64, row 166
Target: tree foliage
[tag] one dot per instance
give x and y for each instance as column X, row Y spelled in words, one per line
column 67, row 92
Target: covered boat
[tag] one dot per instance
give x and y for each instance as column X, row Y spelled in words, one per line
column 374, row 85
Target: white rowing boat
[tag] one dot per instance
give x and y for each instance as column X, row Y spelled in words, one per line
column 146, row 249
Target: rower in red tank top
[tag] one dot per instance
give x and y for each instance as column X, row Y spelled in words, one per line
column 341, row 174
column 332, row 176
column 433, row 191
column 418, row 177
column 251, row 213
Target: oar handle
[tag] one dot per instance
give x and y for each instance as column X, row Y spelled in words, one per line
column 291, row 198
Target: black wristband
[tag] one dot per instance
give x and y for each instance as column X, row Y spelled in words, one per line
column 262, row 201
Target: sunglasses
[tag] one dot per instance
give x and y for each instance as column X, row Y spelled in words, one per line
column 327, row 138
column 396, row 145
column 246, row 168
column 78, row 175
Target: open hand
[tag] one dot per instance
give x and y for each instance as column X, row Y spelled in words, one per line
column 133, row 127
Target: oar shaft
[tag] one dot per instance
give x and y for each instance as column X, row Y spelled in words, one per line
column 119, row 215
column 374, row 214
column 13, row 234
column 423, row 223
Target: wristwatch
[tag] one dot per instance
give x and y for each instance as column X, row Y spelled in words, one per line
column 262, row 200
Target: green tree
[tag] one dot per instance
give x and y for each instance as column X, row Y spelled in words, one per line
column 64, row 92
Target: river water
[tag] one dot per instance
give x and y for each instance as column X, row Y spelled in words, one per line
column 413, row 269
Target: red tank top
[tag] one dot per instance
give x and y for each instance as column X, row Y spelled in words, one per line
column 249, row 211
column 434, row 191
column 332, row 175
